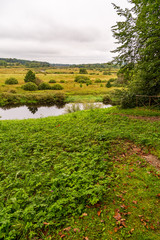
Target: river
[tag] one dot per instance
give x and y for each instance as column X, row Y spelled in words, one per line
column 26, row 112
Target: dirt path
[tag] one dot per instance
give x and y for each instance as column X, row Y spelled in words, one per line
column 153, row 160
column 147, row 118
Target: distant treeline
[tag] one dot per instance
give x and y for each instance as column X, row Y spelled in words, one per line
column 7, row 62
column 19, row 62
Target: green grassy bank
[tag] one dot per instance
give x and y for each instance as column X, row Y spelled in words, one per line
column 80, row 176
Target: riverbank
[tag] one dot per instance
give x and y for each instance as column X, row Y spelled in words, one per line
column 83, row 175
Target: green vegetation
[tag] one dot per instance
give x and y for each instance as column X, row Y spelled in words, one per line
column 44, row 86
column 83, row 71
column 82, row 79
column 139, row 49
column 108, row 84
column 81, row 175
column 98, row 80
column 11, row 81
column 62, row 81
column 30, row 86
column 73, row 90
column 57, row 87
column 30, row 77
column 52, row 81
column 32, row 98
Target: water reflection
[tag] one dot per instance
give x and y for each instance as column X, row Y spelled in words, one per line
column 33, row 109
column 25, row 112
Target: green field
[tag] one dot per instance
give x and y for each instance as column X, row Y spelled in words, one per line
column 81, row 176
column 70, row 88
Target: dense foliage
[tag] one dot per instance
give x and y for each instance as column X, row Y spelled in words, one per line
column 44, row 86
column 30, row 86
column 139, row 39
column 56, row 87
column 52, row 81
column 30, row 77
column 11, row 81
column 82, row 79
column 83, row 71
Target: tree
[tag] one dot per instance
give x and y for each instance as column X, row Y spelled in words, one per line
column 3, row 63
column 139, row 39
column 30, row 77
column 83, row 71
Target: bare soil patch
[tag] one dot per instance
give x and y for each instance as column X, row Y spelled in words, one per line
column 131, row 149
column 147, row 118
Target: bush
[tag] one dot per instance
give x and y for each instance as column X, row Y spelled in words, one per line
column 112, row 79
column 44, row 86
column 57, row 87
column 62, row 81
column 98, row 80
column 11, row 81
column 30, row 77
column 38, row 81
column 30, row 86
column 52, row 81
column 124, row 98
column 12, row 91
column 83, row 71
column 107, row 99
column 59, row 98
column 82, row 79
column 108, row 84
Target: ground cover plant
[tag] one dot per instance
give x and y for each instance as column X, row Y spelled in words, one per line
column 83, row 175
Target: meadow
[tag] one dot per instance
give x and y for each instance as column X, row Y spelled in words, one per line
column 83, row 175
column 63, row 76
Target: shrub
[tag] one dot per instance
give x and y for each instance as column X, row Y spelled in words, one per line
column 52, row 81
column 12, row 91
column 11, row 81
column 124, row 98
column 106, row 73
column 30, row 86
column 59, row 98
column 62, row 81
column 112, row 79
column 57, row 87
column 38, row 81
column 83, row 71
column 128, row 100
column 30, row 77
column 98, row 80
column 82, row 79
column 108, row 84
column 107, row 99
column 44, row 86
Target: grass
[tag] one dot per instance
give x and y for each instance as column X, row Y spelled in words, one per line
column 79, row 176
column 71, row 88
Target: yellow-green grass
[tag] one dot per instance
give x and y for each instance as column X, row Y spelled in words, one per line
column 70, row 87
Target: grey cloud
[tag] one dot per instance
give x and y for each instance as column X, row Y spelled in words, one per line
column 57, row 30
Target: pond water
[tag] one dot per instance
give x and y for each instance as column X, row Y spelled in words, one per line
column 25, row 112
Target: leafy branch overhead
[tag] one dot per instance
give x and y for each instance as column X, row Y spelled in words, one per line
column 138, row 36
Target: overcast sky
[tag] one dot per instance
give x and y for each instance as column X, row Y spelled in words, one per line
column 58, row 31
